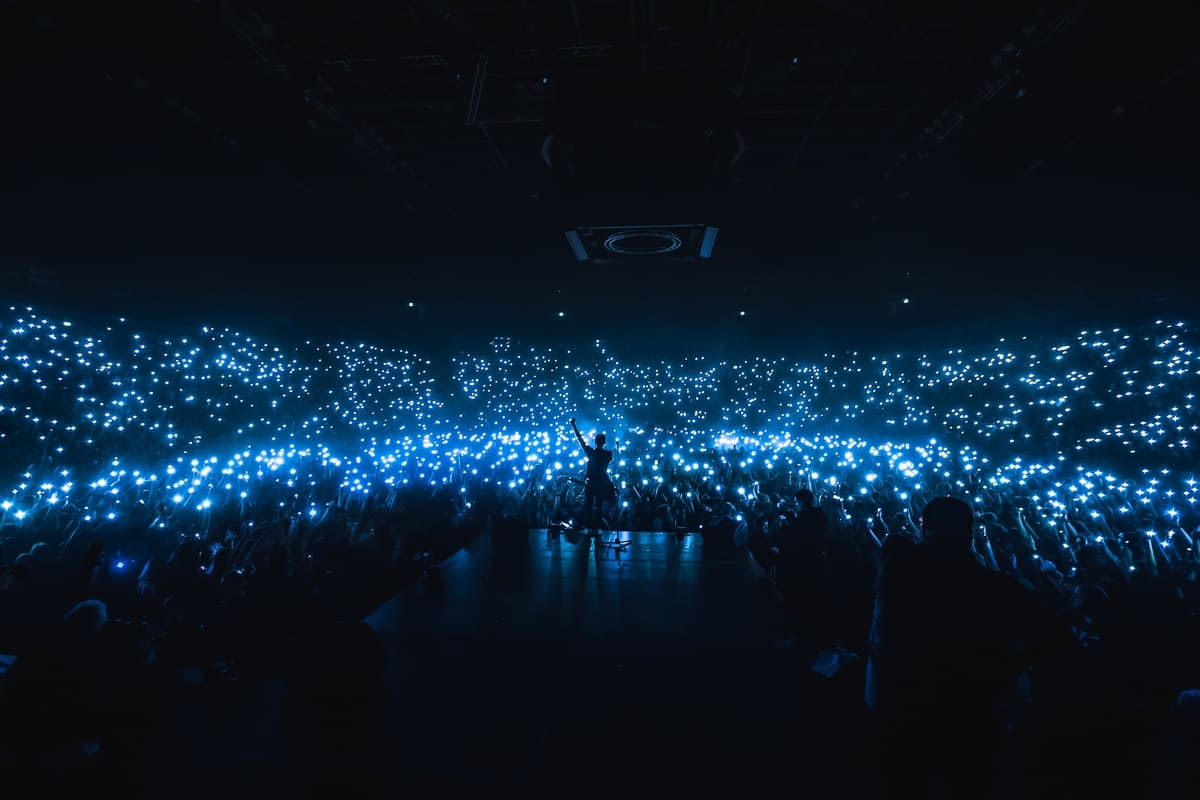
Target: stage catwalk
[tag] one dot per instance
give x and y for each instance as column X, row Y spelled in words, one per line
column 524, row 657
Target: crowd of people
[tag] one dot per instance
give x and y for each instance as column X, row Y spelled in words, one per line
column 174, row 491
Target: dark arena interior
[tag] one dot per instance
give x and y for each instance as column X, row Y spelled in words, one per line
column 599, row 395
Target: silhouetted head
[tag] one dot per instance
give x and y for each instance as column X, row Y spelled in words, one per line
column 86, row 621
column 805, row 498
column 39, row 553
column 948, row 521
column 601, row 439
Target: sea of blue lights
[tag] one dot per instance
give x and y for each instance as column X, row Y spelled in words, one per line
column 112, row 424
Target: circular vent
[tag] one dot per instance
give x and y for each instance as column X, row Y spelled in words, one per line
column 642, row 243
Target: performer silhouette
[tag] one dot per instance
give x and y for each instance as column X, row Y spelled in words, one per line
column 598, row 488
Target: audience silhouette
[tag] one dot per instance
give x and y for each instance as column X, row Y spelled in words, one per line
column 949, row 640
column 800, row 567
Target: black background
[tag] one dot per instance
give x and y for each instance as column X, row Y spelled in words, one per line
column 201, row 160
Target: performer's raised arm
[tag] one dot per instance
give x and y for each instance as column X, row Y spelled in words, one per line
column 578, row 435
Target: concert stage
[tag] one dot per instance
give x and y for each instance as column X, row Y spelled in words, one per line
column 543, row 657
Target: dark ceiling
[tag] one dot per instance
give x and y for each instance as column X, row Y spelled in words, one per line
column 358, row 155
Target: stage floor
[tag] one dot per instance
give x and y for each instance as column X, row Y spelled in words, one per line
column 523, row 656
